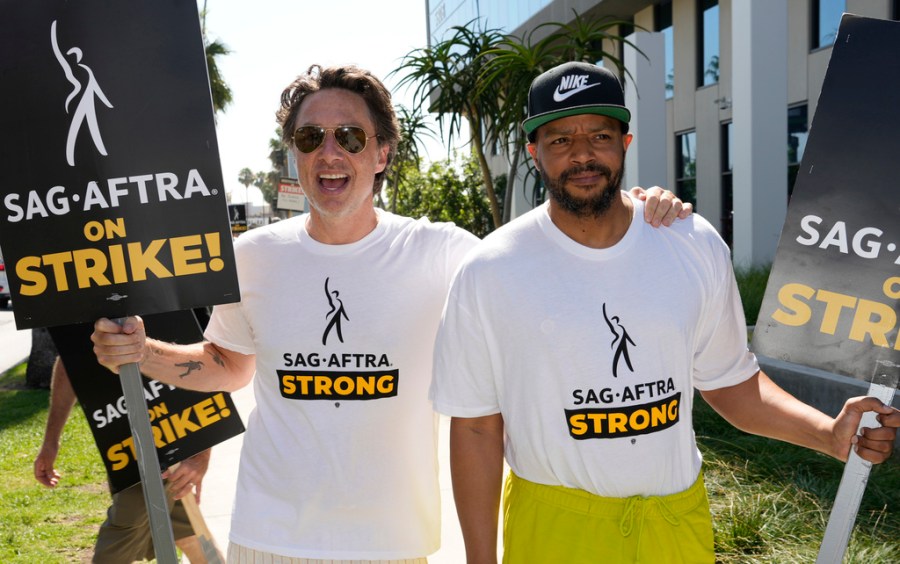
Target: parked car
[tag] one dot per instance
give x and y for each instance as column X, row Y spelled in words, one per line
column 4, row 285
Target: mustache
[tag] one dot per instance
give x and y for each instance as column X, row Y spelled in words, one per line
column 580, row 169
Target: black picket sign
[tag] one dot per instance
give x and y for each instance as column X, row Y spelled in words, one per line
column 111, row 193
column 833, row 297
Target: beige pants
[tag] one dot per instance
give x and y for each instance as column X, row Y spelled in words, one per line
column 238, row 554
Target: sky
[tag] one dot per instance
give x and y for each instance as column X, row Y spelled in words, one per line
column 273, row 41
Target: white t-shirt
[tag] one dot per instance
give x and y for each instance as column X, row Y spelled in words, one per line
column 339, row 458
column 592, row 355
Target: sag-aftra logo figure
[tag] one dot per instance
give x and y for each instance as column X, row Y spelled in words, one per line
column 620, row 342
column 334, row 315
column 90, row 92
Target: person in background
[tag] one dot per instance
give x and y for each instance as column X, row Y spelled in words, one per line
column 125, row 534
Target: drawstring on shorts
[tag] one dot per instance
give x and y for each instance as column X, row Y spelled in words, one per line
column 639, row 504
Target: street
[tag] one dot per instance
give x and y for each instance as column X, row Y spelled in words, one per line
column 14, row 345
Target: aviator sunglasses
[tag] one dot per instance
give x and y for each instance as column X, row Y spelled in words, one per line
column 351, row 138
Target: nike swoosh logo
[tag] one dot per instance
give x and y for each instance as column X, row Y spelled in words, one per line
column 560, row 96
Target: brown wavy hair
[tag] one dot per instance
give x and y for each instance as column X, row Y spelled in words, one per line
column 354, row 79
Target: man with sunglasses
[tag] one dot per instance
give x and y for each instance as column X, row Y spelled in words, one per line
column 338, row 313
column 585, row 376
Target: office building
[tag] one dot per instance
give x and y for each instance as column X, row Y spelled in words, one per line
column 722, row 104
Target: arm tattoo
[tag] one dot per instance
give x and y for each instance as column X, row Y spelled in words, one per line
column 152, row 350
column 217, row 358
column 189, row 367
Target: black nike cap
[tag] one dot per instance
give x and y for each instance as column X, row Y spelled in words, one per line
column 572, row 89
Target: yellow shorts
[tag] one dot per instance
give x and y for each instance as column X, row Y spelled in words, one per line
column 558, row 524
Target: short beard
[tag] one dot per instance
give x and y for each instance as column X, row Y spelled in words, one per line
column 594, row 206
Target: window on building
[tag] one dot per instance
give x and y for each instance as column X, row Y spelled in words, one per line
column 726, row 218
column 798, row 133
column 826, row 17
column 686, row 167
column 895, row 10
column 708, row 37
column 662, row 17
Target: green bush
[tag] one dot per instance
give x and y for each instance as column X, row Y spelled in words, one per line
column 449, row 190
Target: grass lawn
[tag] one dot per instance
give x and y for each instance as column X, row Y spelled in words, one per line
column 38, row 524
column 770, row 500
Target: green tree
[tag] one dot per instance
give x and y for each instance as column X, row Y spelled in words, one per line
column 449, row 190
column 712, row 70
column 278, row 156
column 267, row 181
column 278, row 152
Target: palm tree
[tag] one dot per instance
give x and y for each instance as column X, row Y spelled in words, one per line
column 511, row 68
column 247, row 178
column 483, row 77
column 447, row 82
column 221, row 92
column 516, row 61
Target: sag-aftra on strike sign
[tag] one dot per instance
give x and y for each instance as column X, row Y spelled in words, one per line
column 183, row 423
column 111, row 192
column 833, row 298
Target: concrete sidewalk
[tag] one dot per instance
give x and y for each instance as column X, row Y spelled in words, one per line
column 219, row 486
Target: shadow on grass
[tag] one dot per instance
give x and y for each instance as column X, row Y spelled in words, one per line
column 18, row 403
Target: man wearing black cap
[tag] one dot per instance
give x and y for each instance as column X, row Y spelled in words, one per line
column 556, row 338
column 335, row 330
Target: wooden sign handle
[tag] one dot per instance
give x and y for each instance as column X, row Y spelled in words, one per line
column 208, row 545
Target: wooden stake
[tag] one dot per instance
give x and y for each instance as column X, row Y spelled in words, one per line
column 207, row 542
